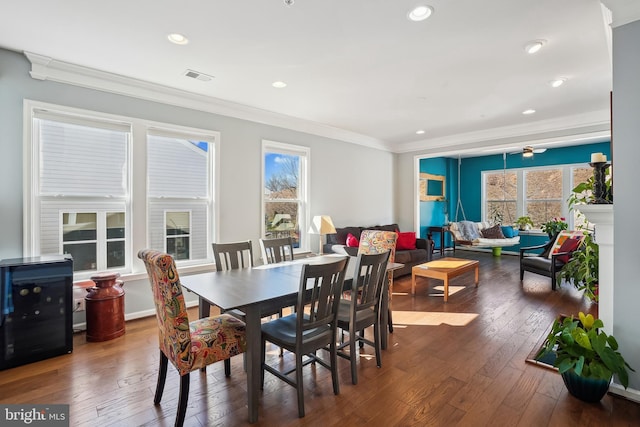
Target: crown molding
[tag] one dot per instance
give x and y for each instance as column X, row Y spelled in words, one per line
column 623, row 11
column 589, row 125
column 46, row 68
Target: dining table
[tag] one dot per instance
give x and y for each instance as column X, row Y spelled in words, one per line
column 258, row 291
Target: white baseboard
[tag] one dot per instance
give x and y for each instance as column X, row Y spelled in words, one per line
column 629, row 393
column 131, row 316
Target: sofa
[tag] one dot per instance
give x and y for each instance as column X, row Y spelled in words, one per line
column 410, row 250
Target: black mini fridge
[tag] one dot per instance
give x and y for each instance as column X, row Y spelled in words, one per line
column 36, row 309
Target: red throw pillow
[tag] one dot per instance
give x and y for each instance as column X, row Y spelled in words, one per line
column 406, row 241
column 352, row 241
column 568, row 245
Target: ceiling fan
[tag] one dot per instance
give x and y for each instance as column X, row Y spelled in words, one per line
column 529, row 151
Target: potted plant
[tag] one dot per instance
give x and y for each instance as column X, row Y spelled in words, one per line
column 582, row 268
column 524, row 223
column 554, row 226
column 586, row 357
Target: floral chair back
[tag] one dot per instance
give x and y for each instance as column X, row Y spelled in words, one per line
column 171, row 311
column 378, row 241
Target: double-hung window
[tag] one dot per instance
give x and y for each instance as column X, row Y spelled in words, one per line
column 79, row 188
column 501, row 196
column 180, row 196
column 538, row 192
column 285, row 208
column 544, row 194
column 102, row 187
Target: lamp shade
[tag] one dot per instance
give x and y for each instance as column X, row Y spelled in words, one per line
column 322, row 224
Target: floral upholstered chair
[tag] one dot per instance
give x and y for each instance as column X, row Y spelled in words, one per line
column 376, row 242
column 188, row 345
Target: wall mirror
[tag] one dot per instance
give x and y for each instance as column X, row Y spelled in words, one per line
column 431, row 187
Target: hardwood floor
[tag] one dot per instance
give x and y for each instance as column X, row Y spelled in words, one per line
column 455, row 364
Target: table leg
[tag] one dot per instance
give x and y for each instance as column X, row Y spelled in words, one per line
column 253, row 354
column 204, row 308
column 477, row 277
column 446, row 289
column 413, row 283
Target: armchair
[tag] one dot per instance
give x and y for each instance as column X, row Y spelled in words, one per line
column 556, row 252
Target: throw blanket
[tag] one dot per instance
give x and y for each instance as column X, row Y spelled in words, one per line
column 468, row 230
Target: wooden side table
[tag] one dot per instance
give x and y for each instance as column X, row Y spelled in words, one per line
column 442, row 229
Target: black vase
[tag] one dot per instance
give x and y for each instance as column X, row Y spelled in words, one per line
column 589, row 390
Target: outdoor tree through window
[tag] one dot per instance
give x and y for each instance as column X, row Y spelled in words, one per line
column 284, row 192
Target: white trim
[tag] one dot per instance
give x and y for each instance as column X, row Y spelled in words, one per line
column 570, row 129
column 623, row 11
column 629, row 393
column 588, row 124
column 46, row 68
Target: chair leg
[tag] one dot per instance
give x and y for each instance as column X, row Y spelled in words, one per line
column 162, row 376
column 263, row 352
column 390, row 322
column 227, row 367
column 299, row 386
column 521, row 273
column 182, row 400
column 377, row 338
column 334, row 368
column 353, row 337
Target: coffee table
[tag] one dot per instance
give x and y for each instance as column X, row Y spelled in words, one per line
column 443, row 269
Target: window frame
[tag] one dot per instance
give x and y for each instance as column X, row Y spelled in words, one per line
column 304, row 153
column 567, row 186
column 134, row 203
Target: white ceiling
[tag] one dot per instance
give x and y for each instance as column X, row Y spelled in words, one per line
column 358, row 65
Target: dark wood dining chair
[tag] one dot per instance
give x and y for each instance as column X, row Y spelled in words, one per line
column 276, row 250
column 188, row 345
column 231, row 256
column 377, row 241
column 362, row 309
column 312, row 327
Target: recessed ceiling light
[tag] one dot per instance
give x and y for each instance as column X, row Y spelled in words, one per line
column 177, row 38
column 557, row 82
column 420, row 132
column 534, row 46
column 420, row 13
column 279, row 84
column 529, row 111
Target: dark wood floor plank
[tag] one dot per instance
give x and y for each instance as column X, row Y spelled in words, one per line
column 456, row 364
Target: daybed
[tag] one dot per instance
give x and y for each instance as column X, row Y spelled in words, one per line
column 410, row 250
column 483, row 235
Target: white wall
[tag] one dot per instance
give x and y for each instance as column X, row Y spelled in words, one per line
column 352, row 183
column 626, row 152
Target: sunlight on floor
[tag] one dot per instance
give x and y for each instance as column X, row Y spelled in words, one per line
column 430, row 318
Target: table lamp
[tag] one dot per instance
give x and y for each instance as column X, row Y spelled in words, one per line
column 322, row 225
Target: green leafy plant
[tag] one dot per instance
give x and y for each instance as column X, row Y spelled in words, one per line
column 582, row 347
column 582, row 194
column 582, row 268
column 554, row 226
column 523, row 222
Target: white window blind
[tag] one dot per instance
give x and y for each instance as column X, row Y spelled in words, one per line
column 80, row 160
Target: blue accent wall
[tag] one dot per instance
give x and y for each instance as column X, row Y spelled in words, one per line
column 436, row 213
column 471, row 168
